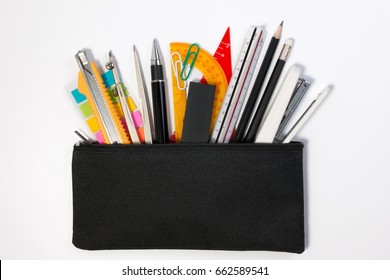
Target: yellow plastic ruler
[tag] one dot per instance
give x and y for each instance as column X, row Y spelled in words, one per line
column 213, row 73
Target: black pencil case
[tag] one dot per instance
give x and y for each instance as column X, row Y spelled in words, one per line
column 189, row 196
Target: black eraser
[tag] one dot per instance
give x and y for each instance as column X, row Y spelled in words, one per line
column 198, row 114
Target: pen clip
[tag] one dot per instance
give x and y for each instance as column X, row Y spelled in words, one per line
column 184, row 74
column 177, row 65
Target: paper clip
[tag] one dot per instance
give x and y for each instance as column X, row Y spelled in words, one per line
column 176, row 66
column 183, row 75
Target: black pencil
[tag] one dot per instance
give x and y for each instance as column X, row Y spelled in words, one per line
column 269, row 90
column 239, row 135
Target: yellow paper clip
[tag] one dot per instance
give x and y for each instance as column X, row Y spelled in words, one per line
column 185, row 74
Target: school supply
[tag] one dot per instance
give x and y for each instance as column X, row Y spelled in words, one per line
column 192, row 195
column 189, row 196
column 121, row 120
column 187, row 66
column 271, row 122
column 300, row 90
column 306, row 115
column 179, row 93
column 112, row 65
column 143, row 96
column 82, row 137
column 255, row 92
column 238, row 86
column 158, row 96
column 180, row 72
column 91, row 84
column 198, row 113
column 109, row 82
column 86, row 111
column 268, row 92
column 223, row 56
column 211, row 70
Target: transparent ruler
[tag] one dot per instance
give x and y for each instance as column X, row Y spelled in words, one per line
column 238, row 86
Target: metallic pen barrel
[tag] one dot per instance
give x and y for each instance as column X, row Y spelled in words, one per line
column 158, row 95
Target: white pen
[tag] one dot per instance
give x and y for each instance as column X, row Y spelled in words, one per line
column 306, row 115
column 143, row 95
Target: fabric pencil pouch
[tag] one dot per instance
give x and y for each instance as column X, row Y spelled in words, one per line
column 189, row 196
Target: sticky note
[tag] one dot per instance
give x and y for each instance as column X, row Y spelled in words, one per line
column 93, row 124
column 78, row 97
column 86, row 109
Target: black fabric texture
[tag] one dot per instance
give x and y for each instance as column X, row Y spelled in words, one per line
column 189, row 196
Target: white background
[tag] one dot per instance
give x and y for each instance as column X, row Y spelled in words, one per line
column 347, row 152
column 276, row 269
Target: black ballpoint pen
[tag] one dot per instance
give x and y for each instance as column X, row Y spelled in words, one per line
column 158, row 95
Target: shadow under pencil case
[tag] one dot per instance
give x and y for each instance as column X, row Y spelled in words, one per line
column 189, row 196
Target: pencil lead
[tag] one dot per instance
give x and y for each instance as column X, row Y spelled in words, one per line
column 278, row 32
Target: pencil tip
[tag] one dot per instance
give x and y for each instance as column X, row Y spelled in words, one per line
column 278, row 32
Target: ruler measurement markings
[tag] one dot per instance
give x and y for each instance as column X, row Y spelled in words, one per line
column 242, row 84
column 232, row 86
column 241, row 97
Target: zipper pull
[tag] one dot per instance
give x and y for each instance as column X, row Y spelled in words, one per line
column 85, row 140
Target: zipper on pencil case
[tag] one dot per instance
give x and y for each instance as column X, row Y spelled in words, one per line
column 93, row 146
